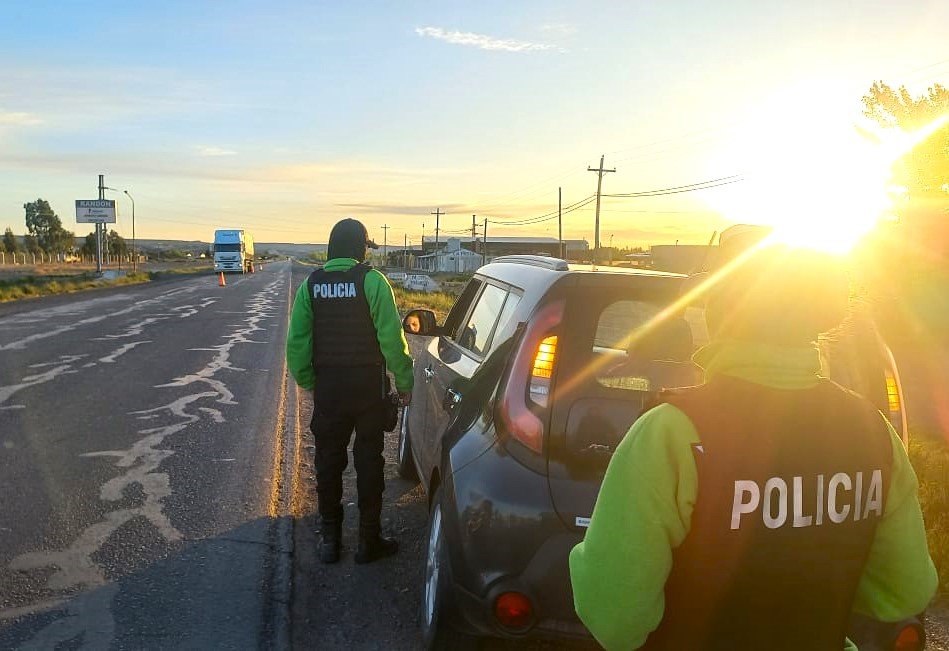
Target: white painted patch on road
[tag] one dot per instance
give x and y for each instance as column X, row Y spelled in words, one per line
column 133, row 330
column 110, row 358
column 215, row 414
column 45, row 315
column 63, row 359
column 6, row 392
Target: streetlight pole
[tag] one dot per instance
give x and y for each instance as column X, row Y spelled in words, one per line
column 134, row 257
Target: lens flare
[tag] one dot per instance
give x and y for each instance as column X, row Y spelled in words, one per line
column 819, row 181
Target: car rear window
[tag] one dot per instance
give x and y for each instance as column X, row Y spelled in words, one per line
column 621, row 348
column 635, row 348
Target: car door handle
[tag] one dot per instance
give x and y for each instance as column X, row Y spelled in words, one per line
column 429, row 372
column 452, row 398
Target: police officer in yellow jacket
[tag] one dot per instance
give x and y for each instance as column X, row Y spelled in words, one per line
column 762, row 508
column 344, row 332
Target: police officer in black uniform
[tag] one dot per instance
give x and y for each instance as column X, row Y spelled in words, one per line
column 344, row 332
column 762, row 508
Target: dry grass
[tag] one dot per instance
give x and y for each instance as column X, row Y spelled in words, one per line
column 12, row 289
column 930, row 457
column 438, row 302
column 28, row 282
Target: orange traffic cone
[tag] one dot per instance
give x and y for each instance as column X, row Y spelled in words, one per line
column 220, row 282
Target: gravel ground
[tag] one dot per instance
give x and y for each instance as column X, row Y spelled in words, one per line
column 349, row 606
column 937, row 626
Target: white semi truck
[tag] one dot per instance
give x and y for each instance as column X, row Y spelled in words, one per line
column 233, row 251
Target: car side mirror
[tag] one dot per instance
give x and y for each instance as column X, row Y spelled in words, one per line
column 420, row 322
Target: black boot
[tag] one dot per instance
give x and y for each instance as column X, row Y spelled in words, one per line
column 332, row 530
column 372, row 546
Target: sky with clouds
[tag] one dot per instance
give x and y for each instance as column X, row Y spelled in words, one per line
column 282, row 117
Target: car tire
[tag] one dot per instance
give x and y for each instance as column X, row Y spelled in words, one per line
column 437, row 632
column 404, row 462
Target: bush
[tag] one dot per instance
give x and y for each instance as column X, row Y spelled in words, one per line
column 930, row 458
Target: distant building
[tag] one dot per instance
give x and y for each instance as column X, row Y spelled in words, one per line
column 498, row 246
column 450, row 259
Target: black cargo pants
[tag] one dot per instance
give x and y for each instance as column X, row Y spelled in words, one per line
column 348, row 399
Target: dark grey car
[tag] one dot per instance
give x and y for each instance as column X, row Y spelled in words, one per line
column 520, row 398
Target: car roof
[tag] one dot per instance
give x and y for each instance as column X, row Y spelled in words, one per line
column 538, row 273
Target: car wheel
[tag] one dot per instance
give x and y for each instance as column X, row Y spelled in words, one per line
column 437, row 632
column 405, row 464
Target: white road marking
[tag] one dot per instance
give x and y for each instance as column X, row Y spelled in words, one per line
column 111, row 357
column 133, row 330
column 63, row 359
column 32, row 380
column 90, row 613
column 41, row 316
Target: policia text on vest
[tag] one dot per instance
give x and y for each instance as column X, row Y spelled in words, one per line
column 840, row 497
column 334, row 290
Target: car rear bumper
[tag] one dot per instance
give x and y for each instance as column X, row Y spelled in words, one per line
column 504, row 535
column 476, row 610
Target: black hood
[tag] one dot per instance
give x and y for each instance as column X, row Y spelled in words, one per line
column 349, row 239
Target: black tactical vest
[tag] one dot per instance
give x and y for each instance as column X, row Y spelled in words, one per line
column 791, row 486
column 343, row 332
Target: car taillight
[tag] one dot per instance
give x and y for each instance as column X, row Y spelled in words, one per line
column 543, row 370
column 910, row 638
column 513, row 610
column 892, row 394
column 529, row 381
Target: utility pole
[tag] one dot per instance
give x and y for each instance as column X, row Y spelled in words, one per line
column 134, row 256
column 600, row 171
column 385, row 245
column 484, row 244
column 405, row 253
column 474, row 235
column 563, row 255
column 99, row 228
column 438, row 213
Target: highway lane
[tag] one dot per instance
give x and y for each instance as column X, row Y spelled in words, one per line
column 138, row 435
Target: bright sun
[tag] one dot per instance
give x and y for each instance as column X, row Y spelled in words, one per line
column 815, row 178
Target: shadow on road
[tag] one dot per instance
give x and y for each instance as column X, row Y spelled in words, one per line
column 209, row 593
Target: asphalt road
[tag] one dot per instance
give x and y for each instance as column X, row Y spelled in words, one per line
column 143, row 460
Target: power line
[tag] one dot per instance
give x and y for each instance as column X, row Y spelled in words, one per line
column 678, row 189
column 550, row 217
column 497, row 221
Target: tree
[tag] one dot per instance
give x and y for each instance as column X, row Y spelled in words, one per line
column 30, row 244
column 10, row 243
column 116, row 243
column 925, row 169
column 44, row 225
column 89, row 245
